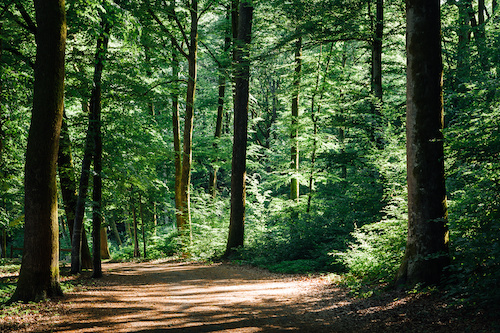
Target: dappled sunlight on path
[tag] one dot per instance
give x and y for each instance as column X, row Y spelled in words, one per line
column 166, row 296
column 153, row 297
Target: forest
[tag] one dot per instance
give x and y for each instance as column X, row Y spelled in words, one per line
column 355, row 137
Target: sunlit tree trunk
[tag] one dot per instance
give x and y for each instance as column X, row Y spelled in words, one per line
column 115, row 232
column 427, row 244
column 39, row 274
column 238, row 175
column 294, row 134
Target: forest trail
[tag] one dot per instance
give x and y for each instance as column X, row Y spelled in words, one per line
column 167, row 296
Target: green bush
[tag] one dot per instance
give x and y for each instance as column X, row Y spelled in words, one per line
column 378, row 248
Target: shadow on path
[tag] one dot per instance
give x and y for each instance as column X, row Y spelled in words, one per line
column 180, row 297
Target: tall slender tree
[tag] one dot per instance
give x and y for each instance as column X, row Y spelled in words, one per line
column 427, row 244
column 39, row 275
column 222, row 66
column 190, row 39
column 102, row 46
column 238, row 175
column 294, row 134
column 67, row 181
column 176, row 135
column 90, row 146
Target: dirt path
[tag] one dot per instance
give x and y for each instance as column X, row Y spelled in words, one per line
column 182, row 297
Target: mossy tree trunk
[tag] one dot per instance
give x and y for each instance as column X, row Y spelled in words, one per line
column 427, row 245
column 39, row 275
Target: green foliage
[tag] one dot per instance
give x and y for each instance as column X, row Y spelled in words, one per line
column 378, row 248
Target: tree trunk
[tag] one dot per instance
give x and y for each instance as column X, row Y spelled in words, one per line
column 480, row 36
column 177, row 137
column 67, row 181
column 2, row 133
column 137, row 253
column 462, row 73
column 104, row 244
column 39, row 274
column 102, row 46
column 376, row 79
column 115, row 232
column 238, row 175
column 212, row 184
column 314, row 118
column 4, row 243
column 427, row 243
column 187, row 157
column 94, row 117
column 155, row 219
column 294, row 134
column 143, row 227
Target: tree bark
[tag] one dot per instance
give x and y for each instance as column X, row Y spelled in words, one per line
column 376, row 84
column 463, row 53
column 39, row 274
column 294, row 134
column 102, row 45
column 427, row 243
column 115, row 232
column 95, row 106
column 238, row 175
column 137, row 253
column 143, row 227
column 2, row 133
column 187, row 157
column 212, row 183
column 67, row 181
column 104, row 244
column 177, row 137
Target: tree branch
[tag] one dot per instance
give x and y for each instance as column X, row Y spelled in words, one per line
column 30, row 25
column 18, row 53
column 211, row 54
column 164, row 28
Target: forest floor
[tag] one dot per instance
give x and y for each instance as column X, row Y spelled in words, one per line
column 169, row 296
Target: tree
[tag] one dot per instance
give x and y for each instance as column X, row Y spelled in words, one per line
column 426, row 252
column 294, row 134
column 39, row 275
column 376, row 84
column 102, row 46
column 222, row 65
column 238, row 175
column 191, row 41
column 90, row 147
column 67, row 181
